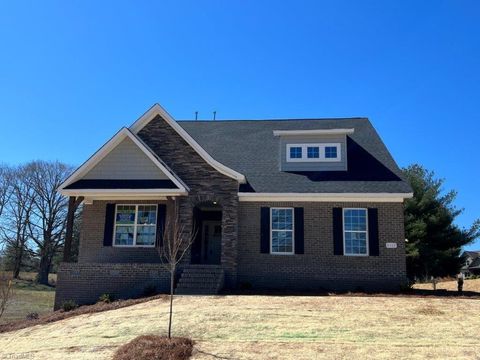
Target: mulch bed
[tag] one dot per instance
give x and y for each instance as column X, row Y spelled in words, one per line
column 85, row 309
column 154, row 347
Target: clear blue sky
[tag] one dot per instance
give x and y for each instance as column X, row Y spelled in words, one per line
column 73, row 72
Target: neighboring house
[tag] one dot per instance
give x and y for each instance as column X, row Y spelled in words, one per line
column 472, row 263
column 303, row 204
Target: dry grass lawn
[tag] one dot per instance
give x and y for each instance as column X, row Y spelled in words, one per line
column 469, row 285
column 269, row 327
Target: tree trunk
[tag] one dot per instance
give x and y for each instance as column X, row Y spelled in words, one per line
column 44, row 269
column 172, row 277
column 18, row 261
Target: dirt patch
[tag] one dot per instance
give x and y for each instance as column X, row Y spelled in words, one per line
column 430, row 311
column 86, row 309
column 153, row 347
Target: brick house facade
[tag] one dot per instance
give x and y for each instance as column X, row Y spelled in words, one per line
column 226, row 177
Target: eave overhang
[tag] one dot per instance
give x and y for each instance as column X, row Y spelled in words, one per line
column 324, row 197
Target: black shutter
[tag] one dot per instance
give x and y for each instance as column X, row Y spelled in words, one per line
column 337, row 231
column 109, row 222
column 265, row 230
column 299, row 226
column 161, row 216
column 373, row 246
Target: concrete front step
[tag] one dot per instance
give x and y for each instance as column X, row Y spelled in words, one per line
column 200, row 279
column 197, row 285
column 200, row 276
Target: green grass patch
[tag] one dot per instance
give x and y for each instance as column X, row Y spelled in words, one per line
column 28, row 297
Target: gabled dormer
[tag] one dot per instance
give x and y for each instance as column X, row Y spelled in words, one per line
column 313, row 150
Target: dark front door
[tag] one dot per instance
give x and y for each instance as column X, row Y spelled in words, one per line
column 207, row 246
column 211, row 242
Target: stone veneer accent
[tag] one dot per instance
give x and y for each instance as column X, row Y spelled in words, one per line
column 205, row 183
column 318, row 268
column 84, row 283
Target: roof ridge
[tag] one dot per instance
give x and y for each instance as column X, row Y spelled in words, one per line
column 284, row 119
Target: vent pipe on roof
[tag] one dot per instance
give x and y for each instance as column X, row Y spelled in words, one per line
column 214, row 115
column 196, row 115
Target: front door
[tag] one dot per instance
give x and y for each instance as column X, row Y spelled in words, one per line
column 211, row 242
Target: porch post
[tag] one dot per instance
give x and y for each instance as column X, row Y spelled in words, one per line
column 171, row 214
column 73, row 203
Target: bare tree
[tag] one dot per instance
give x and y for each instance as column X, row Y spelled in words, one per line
column 48, row 219
column 177, row 239
column 16, row 216
column 5, row 186
column 5, row 194
column 6, row 291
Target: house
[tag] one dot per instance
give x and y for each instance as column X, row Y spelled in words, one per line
column 472, row 263
column 303, row 204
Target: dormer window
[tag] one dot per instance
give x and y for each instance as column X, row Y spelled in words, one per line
column 313, row 152
column 295, row 152
column 313, row 149
column 331, row 152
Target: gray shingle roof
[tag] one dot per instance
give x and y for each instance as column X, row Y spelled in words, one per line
column 249, row 147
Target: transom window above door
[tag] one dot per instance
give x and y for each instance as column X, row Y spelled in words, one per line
column 135, row 225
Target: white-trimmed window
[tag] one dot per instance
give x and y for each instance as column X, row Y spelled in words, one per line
column 355, row 232
column 325, row 152
column 281, row 231
column 135, row 225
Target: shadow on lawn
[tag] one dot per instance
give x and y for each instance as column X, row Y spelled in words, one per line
column 359, row 293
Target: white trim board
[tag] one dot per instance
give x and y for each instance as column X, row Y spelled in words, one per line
column 132, row 192
column 313, row 132
column 325, row 197
column 158, row 110
column 89, row 200
column 104, row 150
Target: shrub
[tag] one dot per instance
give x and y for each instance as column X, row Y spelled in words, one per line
column 106, row 298
column 150, row 290
column 69, row 305
column 153, row 347
column 32, row 316
column 406, row 286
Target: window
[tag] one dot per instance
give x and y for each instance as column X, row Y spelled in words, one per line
column 355, row 232
column 281, row 229
column 330, row 152
column 313, row 152
column 135, row 225
column 296, row 152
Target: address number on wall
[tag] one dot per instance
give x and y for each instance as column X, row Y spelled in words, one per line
column 391, row 245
